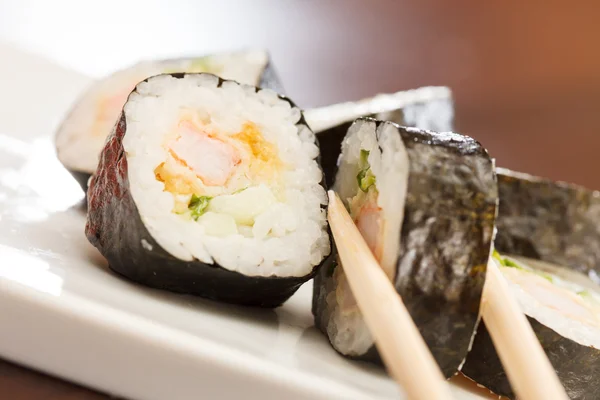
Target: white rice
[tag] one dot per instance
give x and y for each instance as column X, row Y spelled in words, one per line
column 569, row 281
column 81, row 137
column 288, row 238
column 390, row 165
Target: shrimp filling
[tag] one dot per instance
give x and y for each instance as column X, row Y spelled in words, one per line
column 553, row 295
column 364, row 209
column 367, row 216
column 223, row 181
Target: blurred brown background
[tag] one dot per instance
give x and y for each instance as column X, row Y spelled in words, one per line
column 525, row 75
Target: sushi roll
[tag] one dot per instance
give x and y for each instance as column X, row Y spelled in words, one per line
column 81, row 136
column 427, row 108
column 550, row 234
column 212, row 188
column 425, row 203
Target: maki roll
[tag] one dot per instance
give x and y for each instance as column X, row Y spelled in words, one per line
column 427, row 108
column 550, row 232
column 212, row 188
column 81, row 136
column 425, row 203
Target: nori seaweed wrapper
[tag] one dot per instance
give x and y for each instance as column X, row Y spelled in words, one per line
column 268, row 79
column 115, row 227
column 429, row 108
column 558, row 223
column 446, row 237
column 555, row 222
column 577, row 366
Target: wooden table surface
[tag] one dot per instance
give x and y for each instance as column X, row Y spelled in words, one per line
column 526, row 78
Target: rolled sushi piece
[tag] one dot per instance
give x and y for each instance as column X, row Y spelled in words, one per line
column 563, row 308
column 425, row 203
column 81, row 136
column 429, row 108
column 212, row 188
column 550, row 233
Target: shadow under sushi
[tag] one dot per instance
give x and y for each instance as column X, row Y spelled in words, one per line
column 262, row 316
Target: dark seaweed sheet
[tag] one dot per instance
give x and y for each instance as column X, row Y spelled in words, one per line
column 114, row 226
column 435, row 114
column 268, row 79
column 551, row 221
column 558, row 223
column 331, row 144
column 445, row 242
column 577, row 366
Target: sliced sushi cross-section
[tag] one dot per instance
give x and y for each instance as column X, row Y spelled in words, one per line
column 549, row 237
column 211, row 188
column 425, row 203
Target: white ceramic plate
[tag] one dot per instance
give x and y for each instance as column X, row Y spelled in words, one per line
column 64, row 312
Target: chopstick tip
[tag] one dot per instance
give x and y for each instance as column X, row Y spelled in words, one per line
column 331, row 195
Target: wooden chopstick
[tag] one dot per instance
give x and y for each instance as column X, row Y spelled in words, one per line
column 398, row 340
column 529, row 371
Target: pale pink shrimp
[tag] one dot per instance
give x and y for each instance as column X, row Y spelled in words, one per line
column 211, row 159
column 369, row 224
column 552, row 296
